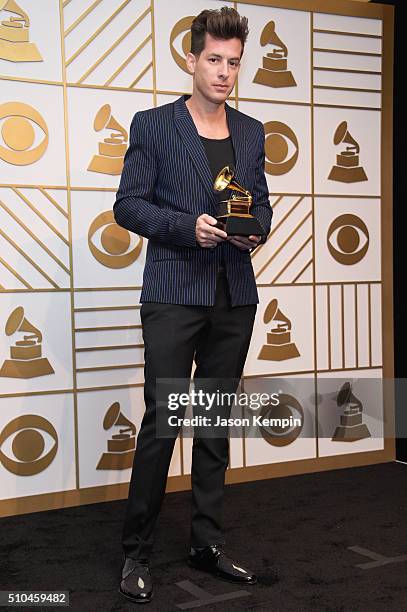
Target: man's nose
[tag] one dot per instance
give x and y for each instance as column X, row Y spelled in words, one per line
column 224, row 70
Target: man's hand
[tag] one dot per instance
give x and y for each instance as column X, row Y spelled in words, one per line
column 207, row 235
column 244, row 242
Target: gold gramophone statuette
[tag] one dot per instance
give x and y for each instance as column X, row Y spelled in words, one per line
column 14, row 35
column 234, row 213
column 347, row 169
column 279, row 345
column 110, row 158
column 274, row 71
column 352, row 427
column 121, row 446
column 26, row 359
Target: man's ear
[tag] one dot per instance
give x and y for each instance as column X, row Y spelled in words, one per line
column 190, row 61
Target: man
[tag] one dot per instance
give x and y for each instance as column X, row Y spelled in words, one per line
column 199, row 295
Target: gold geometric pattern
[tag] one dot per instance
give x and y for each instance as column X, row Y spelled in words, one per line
column 106, row 59
column 286, row 257
column 26, row 229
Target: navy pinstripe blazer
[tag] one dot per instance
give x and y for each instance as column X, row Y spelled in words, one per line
column 166, row 184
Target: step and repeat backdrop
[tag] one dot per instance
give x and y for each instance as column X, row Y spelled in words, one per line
column 72, row 75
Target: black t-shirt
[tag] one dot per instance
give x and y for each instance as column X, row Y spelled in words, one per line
column 220, row 153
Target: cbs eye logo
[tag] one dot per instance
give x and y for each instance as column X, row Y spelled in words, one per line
column 348, row 239
column 120, row 246
column 28, row 445
column 19, row 131
column 281, row 148
column 182, row 26
column 288, row 408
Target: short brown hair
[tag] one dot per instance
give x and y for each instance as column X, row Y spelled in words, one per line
column 224, row 23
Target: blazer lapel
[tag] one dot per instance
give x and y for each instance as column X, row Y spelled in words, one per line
column 190, row 137
column 239, row 143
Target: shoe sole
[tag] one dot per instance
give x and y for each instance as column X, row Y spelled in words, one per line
column 220, row 576
column 133, row 599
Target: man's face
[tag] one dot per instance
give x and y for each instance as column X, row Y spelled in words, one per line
column 216, row 68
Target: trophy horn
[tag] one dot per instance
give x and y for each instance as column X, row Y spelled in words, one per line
column 225, row 179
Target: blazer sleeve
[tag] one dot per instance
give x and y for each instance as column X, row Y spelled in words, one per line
column 261, row 208
column 135, row 208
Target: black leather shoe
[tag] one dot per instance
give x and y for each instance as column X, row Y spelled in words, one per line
column 136, row 583
column 212, row 559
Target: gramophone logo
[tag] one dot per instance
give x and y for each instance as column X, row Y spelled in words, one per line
column 116, row 241
column 347, row 169
column 281, row 148
column 28, row 445
column 351, row 428
column 289, row 409
column 279, row 346
column 25, row 355
column 348, row 239
column 183, row 26
column 121, row 445
column 110, row 158
column 14, row 35
column 274, row 72
column 19, row 135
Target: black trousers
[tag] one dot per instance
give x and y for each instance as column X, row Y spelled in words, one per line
column 218, row 338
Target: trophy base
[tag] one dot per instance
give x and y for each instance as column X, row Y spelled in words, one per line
column 274, row 79
column 347, row 175
column 106, row 165
column 13, row 368
column 19, row 51
column 240, row 226
column 279, row 352
column 116, row 461
column 350, row 434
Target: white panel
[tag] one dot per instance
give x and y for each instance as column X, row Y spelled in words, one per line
column 349, row 325
column 347, row 43
column 104, row 318
column 47, row 100
column 347, row 79
column 88, row 271
column 296, row 303
column 258, row 450
column 365, row 127
column 89, row 299
column 84, row 141
column 347, row 98
column 297, row 179
column 110, row 378
column 44, row 32
column 367, row 388
column 109, row 337
column 322, row 327
column 343, row 23
column 376, row 318
column 113, row 30
column 91, row 359
column 330, row 266
column 363, row 326
column 93, row 438
column 291, row 218
column 50, row 314
column 336, row 326
column 293, row 29
column 59, row 475
column 352, row 62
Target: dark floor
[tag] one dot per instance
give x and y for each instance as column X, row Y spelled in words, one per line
column 294, row 532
